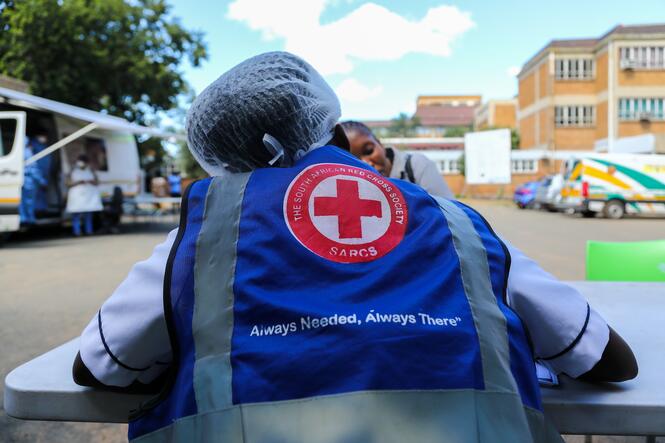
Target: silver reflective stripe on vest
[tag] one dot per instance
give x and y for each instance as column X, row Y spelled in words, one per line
column 487, row 317
column 214, row 272
column 456, row 416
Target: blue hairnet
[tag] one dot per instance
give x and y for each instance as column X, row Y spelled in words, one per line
column 269, row 109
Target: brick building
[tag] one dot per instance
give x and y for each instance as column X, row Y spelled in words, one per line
column 496, row 114
column 437, row 113
column 574, row 94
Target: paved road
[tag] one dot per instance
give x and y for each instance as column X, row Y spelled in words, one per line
column 52, row 285
column 558, row 241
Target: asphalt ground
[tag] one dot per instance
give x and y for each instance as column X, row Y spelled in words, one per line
column 52, row 284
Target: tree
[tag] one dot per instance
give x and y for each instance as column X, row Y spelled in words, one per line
column 456, row 131
column 188, row 164
column 403, row 126
column 122, row 57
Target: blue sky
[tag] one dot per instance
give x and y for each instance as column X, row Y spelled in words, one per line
column 380, row 55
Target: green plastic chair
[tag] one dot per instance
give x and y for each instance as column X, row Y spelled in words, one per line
column 626, row 261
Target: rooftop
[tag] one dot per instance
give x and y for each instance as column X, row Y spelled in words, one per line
column 591, row 43
column 446, row 115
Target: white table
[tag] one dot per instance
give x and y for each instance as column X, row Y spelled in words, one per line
column 637, row 407
column 42, row 389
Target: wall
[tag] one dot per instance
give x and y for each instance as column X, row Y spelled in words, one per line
column 546, row 122
column 527, row 129
column 575, row 138
column 601, row 72
column 627, row 129
column 527, row 90
column 505, row 116
column 574, row 87
column 601, row 120
column 543, row 77
column 640, row 78
column 460, row 188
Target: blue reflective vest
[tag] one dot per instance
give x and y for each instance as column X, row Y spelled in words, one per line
column 325, row 303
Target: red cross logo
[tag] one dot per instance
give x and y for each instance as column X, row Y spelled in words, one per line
column 348, row 207
column 345, row 214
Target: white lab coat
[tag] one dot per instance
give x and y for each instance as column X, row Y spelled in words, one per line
column 83, row 197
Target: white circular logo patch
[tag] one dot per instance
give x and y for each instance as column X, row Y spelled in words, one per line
column 344, row 213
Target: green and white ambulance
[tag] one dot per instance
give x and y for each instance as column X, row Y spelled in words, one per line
column 615, row 184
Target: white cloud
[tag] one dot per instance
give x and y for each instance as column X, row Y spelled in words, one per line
column 369, row 32
column 351, row 90
column 513, row 71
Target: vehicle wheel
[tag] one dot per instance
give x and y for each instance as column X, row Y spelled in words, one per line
column 614, row 209
column 588, row 214
column 521, row 206
column 4, row 236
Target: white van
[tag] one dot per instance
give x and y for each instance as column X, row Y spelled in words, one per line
column 108, row 142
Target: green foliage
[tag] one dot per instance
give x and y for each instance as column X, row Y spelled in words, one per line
column 514, row 138
column 153, row 155
column 122, row 57
column 188, row 164
column 457, row 131
column 462, row 164
column 403, row 126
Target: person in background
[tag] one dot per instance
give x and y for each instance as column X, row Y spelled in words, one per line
column 175, row 183
column 83, row 197
column 38, row 142
column 33, row 180
column 394, row 163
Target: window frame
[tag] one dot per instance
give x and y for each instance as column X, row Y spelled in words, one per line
column 575, row 116
column 583, row 68
column 632, row 108
column 642, row 57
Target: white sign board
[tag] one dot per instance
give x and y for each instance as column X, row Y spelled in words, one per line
column 487, row 157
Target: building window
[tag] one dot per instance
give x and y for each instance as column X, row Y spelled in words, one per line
column 449, row 167
column 524, row 166
column 642, row 108
column 577, row 116
column 642, row 57
column 573, row 68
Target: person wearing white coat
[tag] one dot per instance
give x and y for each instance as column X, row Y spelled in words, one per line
column 83, row 197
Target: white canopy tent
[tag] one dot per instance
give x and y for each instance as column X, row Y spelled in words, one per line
column 93, row 119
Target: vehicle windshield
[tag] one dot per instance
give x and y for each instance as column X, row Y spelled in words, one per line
column 569, row 168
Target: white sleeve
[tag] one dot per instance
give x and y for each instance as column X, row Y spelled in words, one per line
column 567, row 334
column 428, row 177
column 127, row 340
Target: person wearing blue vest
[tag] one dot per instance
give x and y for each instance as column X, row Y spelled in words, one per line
column 306, row 298
column 33, row 180
column 175, row 184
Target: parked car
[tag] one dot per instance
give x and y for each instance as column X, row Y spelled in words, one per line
column 525, row 194
column 548, row 195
